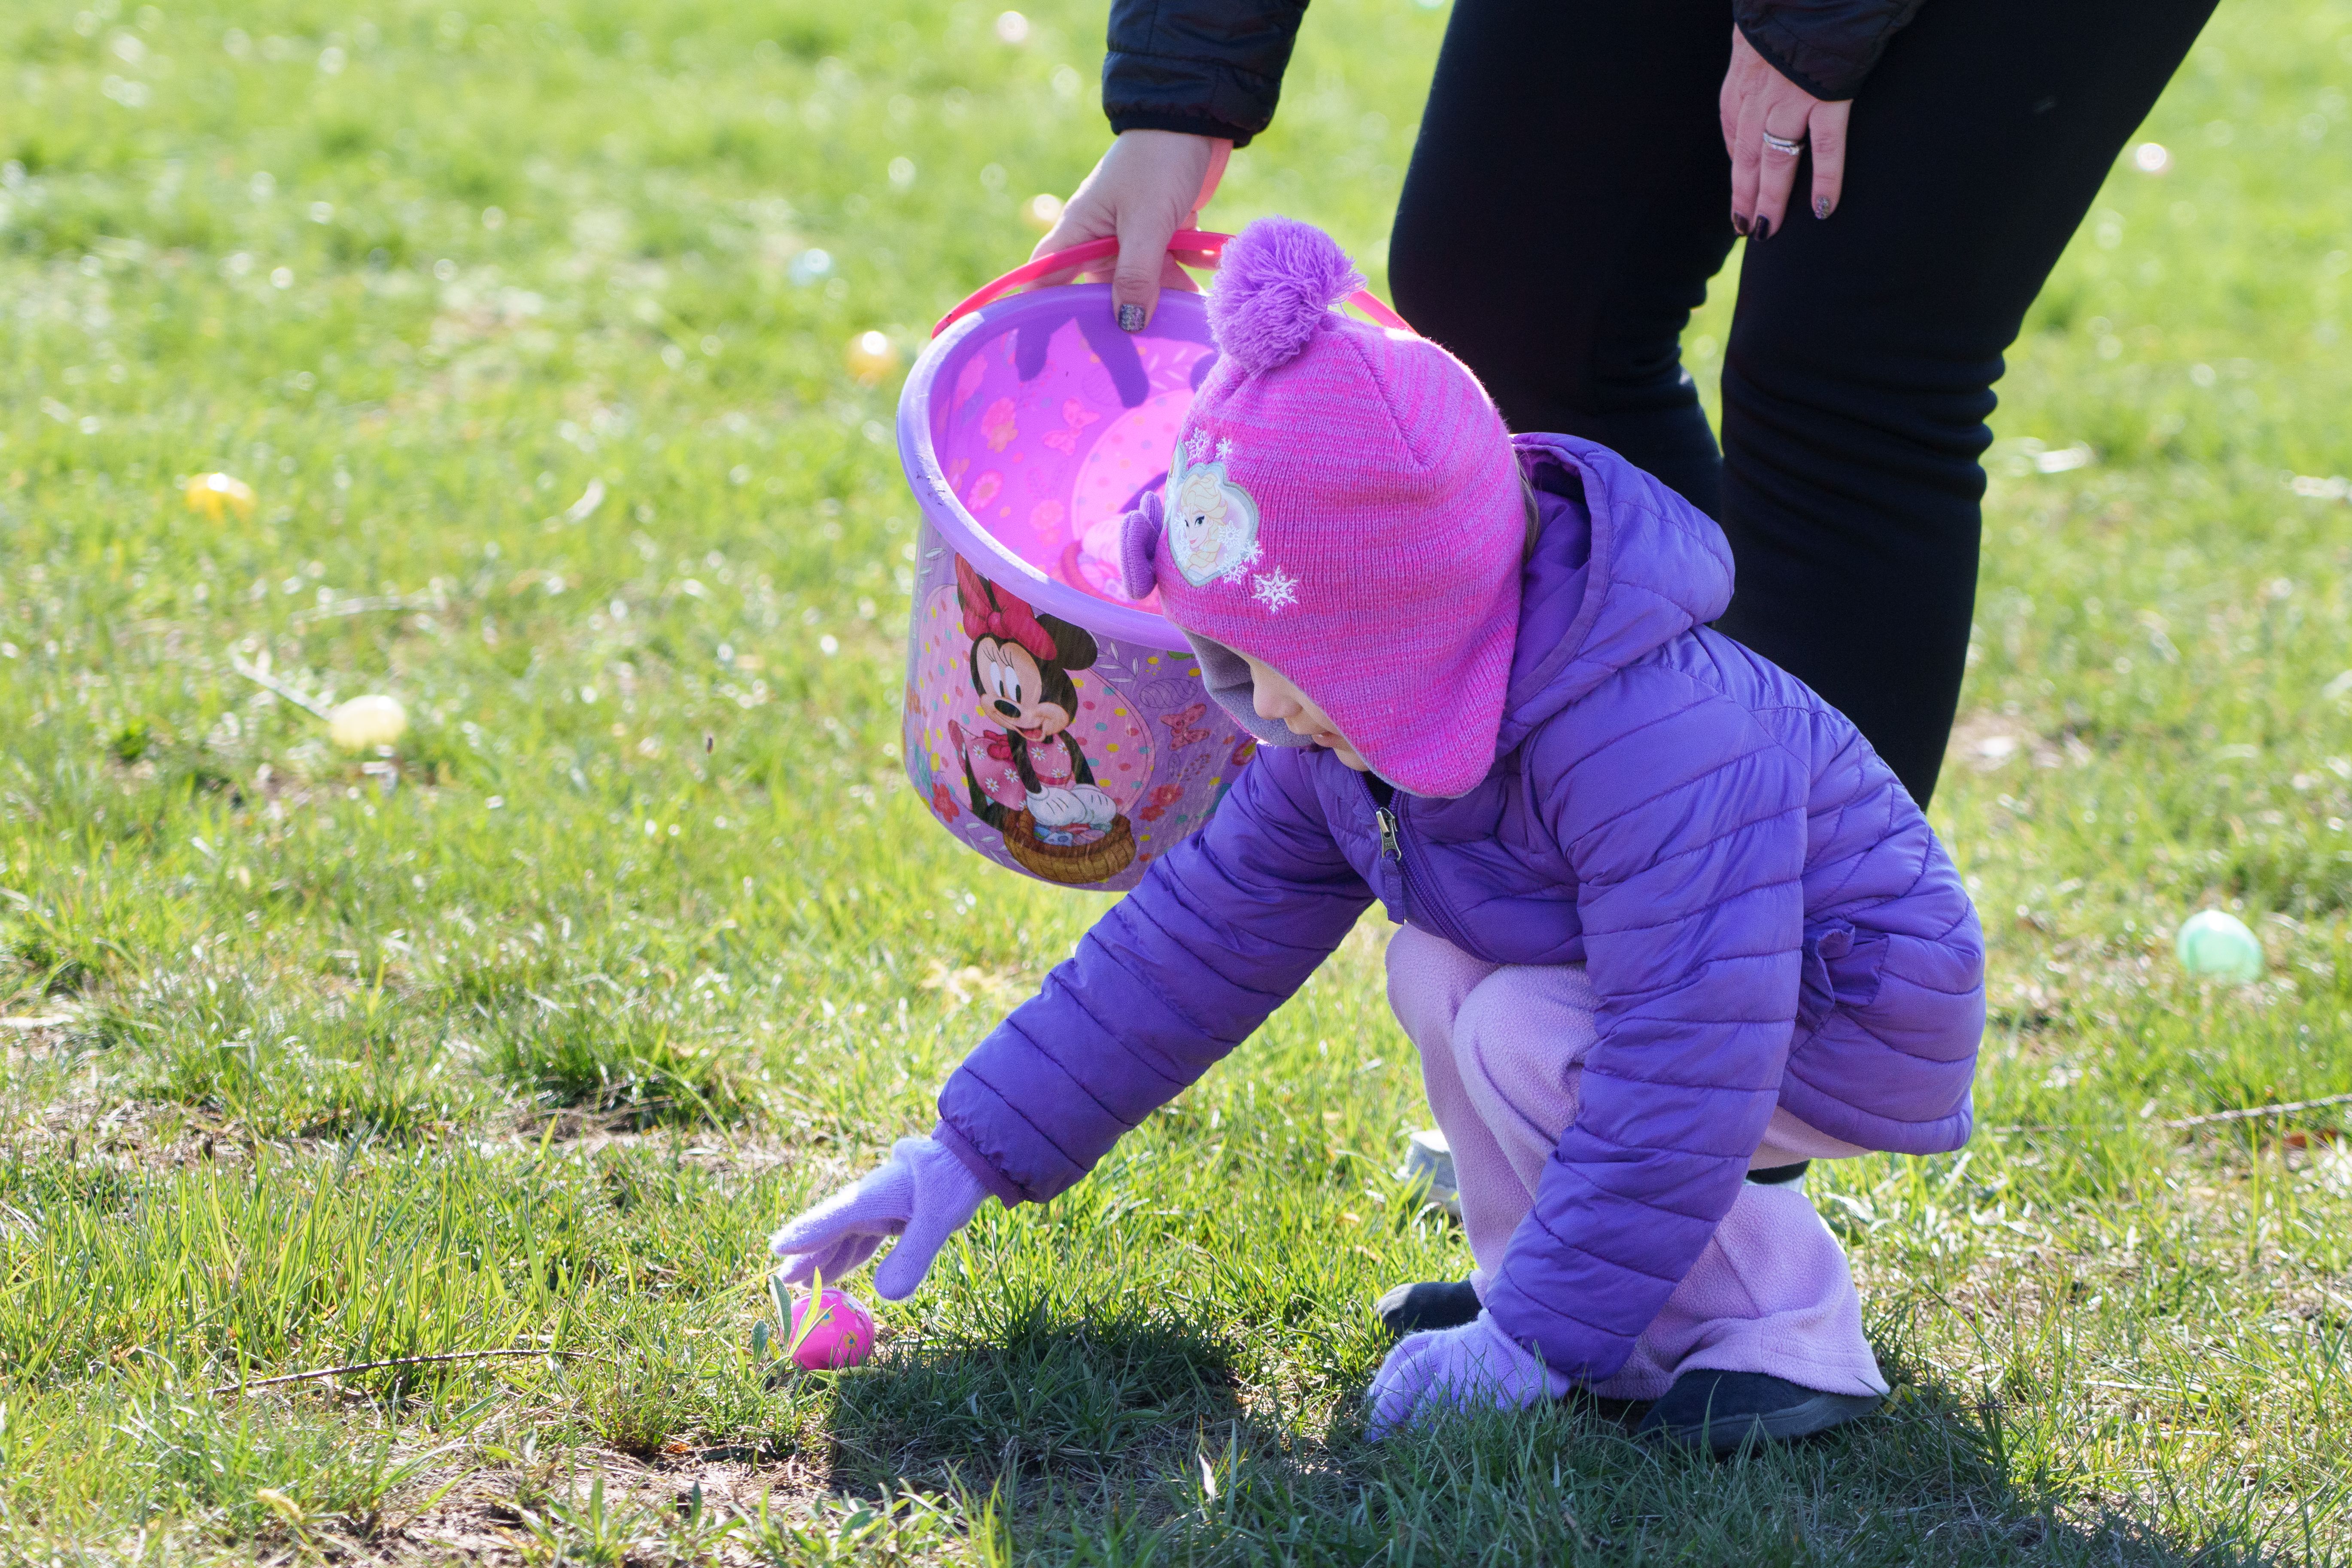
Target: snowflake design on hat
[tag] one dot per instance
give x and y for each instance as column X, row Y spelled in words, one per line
column 1197, row 445
column 1275, row 590
column 1225, row 450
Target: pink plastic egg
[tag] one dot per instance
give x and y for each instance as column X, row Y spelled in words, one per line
column 842, row 1334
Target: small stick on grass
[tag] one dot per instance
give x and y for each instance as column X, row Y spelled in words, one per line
column 270, row 683
column 2243, row 1113
column 2250, row 1112
column 399, row 1361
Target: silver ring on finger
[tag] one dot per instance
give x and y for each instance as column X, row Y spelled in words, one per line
column 1783, row 145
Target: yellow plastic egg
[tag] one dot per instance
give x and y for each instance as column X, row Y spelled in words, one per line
column 363, row 723
column 216, row 494
column 871, row 357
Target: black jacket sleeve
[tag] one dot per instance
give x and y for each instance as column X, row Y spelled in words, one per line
column 1826, row 47
column 1212, row 68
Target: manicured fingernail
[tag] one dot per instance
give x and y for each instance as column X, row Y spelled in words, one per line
column 1739, row 222
column 1763, row 229
column 1821, row 207
column 1130, row 318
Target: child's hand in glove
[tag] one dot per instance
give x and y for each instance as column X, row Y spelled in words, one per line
column 922, row 1194
column 1458, row 1368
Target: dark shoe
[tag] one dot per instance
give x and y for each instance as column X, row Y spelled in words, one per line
column 1718, row 1411
column 1432, row 1304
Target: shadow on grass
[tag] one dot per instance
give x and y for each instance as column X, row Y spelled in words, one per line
column 1925, row 1482
column 1023, row 1387
column 1122, row 1436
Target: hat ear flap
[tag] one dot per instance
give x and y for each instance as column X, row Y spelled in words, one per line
column 1139, row 545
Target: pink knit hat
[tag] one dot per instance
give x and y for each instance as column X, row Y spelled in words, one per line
column 1343, row 503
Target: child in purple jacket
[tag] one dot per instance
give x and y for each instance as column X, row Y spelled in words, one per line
column 1671, row 930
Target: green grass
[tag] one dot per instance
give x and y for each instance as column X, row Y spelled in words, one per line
column 519, row 1040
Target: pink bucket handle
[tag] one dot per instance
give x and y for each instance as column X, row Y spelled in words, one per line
column 1190, row 242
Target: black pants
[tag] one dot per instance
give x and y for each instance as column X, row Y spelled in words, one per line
column 1569, row 197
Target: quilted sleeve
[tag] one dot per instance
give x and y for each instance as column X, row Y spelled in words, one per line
column 1826, row 47
column 1212, row 68
column 1223, row 929
column 1684, row 823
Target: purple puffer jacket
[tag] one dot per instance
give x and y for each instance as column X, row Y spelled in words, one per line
column 1763, row 912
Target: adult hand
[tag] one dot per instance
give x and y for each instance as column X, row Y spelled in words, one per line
column 1439, row 1370
column 1149, row 185
column 922, row 1194
column 1758, row 102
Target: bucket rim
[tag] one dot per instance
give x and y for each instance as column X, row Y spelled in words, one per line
column 919, row 461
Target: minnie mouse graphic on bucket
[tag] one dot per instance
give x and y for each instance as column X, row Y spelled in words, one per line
column 1029, row 780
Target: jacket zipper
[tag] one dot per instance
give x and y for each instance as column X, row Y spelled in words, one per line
column 1391, row 843
column 1436, row 915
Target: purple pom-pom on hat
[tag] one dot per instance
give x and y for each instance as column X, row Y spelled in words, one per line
column 1275, row 284
column 1138, row 542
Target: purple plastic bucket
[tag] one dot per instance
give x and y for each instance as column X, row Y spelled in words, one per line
column 1052, row 723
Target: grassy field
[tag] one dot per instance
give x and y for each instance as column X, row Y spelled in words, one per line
column 517, row 1041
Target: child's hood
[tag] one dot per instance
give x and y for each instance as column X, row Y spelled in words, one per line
column 1621, row 566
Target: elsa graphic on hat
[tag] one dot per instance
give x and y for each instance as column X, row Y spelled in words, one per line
column 1211, row 521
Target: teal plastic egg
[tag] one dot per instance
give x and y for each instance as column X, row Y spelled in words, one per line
column 2215, row 945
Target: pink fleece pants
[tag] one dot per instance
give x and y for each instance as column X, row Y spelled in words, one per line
column 1502, row 1051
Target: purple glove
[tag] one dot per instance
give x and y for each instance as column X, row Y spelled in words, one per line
column 1454, row 1369
column 923, row 1193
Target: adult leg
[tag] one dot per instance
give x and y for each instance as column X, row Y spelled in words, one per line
column 1568, row 200
column 1860, row 371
